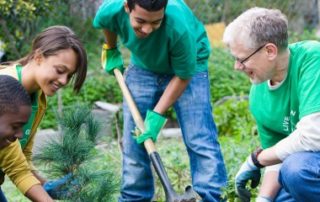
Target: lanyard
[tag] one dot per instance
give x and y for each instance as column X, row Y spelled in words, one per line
column 28, row 126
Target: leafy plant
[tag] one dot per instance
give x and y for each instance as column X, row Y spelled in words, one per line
column 176, row 162
column 98, row 87
column 73, row 154
column 18, row 20
column 238, row 136
column 224, row 80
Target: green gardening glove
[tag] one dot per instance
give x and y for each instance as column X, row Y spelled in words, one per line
column 111, row 59
column 153, row 123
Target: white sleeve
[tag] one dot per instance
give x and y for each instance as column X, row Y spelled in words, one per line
column 306, row 137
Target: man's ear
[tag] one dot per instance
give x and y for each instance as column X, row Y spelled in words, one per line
column 271, row 51
column 126, row 7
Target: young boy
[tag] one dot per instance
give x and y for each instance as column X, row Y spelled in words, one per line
column 15, row 109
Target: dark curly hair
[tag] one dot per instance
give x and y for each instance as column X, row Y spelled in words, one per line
column 12, row 95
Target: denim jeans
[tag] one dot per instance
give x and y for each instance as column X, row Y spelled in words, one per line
column 194, row 114
column 2, row 196
column 300, row 178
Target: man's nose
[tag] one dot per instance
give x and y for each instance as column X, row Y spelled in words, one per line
column 238, row 66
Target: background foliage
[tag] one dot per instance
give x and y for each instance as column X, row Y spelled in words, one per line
column 21, row 20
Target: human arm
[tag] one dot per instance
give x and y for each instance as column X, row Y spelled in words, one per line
column 14, row 164
column 172, row 92
column 39, row 177
column 269, row 186
column 27, row 151
column 110, row 38
column 37, row 194
column 110, row 55
column 306, row 137
column 154, row 120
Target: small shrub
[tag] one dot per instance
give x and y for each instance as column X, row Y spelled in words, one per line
column 73, row 153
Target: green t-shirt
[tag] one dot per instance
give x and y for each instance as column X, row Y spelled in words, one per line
column 180, row 46
column 278, row 111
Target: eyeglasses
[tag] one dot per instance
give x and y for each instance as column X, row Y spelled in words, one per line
column 247, row 58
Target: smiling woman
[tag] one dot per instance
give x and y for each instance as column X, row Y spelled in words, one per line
column 57, row 57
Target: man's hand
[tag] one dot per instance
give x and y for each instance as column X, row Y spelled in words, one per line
column 153, row 123
column 248, row 171
column 111, row 59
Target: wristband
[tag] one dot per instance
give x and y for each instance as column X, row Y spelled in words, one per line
column 106, row 46
column 254, row 157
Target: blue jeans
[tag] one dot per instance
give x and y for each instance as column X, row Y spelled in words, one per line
column 300, row 178
column 194, row 114
column 2, row 196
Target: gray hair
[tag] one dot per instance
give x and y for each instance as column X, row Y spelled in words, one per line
column 258, row 26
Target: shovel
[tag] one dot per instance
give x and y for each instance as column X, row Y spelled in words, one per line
column 171, row 196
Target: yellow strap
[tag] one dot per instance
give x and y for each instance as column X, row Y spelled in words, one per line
column 106, row 46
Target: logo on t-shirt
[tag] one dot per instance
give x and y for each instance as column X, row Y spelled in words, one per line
column 27, row 132
column 285, row 124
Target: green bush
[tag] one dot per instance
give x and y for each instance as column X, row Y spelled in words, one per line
column 306, row 35
column 224, row 80
column 98, row 87
column 233, row 117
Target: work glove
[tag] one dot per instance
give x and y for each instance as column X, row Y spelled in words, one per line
column 153, row 123
column 111, row 59
column 60, row 188
column 248, row 171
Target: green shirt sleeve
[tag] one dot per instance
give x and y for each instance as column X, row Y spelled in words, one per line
column 108, row 14
column 183, row 56
column 309, row 82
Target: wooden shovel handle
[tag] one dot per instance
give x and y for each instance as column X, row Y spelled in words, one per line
column 148, row 144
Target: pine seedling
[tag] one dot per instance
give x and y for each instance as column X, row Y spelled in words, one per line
column 73, row 155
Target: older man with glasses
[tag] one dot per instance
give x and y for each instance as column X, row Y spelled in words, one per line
column 285, row 101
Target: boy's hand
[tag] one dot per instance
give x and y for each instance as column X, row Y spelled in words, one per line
column 111, row 59
column 153, row 123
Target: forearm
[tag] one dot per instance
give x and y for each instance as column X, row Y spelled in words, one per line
column 39, row 177
column 37, row 194
column 305, row 138
column 268, row 157
column 15, row 166
column 270, row 185
column 173, row 91
column 110, row 38
column 27, row 151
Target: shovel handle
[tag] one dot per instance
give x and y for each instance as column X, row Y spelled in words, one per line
column 148, row 144
column 171, row 195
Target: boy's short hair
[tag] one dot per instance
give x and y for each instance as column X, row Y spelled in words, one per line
column 149, row 5
column 12, row 95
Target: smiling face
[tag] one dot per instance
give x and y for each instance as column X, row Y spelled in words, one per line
column 144, row 22
column 259, row 67
column 55, row 71
column 11, row 124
